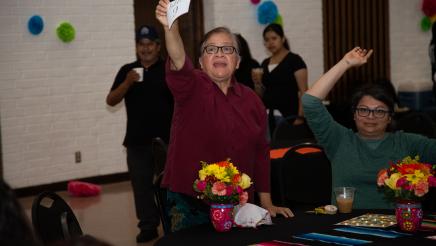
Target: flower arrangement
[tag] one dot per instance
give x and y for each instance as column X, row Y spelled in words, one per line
column 221, row 182
column 408, row 179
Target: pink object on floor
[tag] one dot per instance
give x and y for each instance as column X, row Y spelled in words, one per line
column 80, row 188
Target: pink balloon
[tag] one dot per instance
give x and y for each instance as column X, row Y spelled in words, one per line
column 255, row 1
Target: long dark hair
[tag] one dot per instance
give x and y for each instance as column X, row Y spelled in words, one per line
column 244, row 49
column 273, row 27
column 15, row 228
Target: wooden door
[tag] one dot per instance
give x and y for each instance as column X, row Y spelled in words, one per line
column 191, row 24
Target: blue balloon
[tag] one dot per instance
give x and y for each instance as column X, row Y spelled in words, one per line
column 267, row 12
column 35, row 24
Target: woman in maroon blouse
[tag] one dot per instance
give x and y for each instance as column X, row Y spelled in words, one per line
column 215, row 118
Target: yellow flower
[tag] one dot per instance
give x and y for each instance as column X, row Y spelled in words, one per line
column 416, row 177
column 245, row 181
column 392, row 181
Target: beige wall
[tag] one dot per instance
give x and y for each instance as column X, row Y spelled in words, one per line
column 52, row 94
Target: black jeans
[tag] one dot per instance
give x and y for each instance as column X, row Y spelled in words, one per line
column 140, row 165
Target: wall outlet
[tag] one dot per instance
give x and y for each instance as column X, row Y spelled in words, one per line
column 78, row 156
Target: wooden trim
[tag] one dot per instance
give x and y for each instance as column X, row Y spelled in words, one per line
column 62, row 186
column 349, row 23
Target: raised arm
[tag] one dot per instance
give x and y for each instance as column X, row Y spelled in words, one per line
column 353, row 58
column 173, row 40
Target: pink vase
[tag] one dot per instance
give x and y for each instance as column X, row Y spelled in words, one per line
column 409, row 215
column 221, row 216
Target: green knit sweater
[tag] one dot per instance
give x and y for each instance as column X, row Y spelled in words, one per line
column 356, row 161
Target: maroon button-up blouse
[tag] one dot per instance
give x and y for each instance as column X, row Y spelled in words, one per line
column 211, row 126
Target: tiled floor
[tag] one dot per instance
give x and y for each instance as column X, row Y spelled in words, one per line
column 109, row 216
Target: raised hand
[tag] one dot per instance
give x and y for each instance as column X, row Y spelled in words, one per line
column 161, row 12
column 357, row 56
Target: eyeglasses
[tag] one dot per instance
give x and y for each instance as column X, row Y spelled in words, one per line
column 377, row 113
column 212, row 49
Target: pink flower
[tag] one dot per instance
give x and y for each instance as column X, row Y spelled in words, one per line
column 229, row 190
column 201, row 185
column 421, row 189
column 243, row 198
column 401, row 182
column 219, row 188
column 432, row 181
column 239, row 189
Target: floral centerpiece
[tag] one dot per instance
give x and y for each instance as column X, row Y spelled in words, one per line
column 222, row 182
column 222, row 186
column 408, row 181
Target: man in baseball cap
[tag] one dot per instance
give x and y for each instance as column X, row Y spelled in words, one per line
column 142, row 86
column 147, row 32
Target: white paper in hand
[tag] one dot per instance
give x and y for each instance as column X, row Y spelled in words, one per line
column 176, row 9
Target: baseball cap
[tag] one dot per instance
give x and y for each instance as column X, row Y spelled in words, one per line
column 147, row 32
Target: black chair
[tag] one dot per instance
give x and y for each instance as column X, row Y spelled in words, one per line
column 53, row 219
column 286, row 134
column 305, row 176
column 159, row 153
column 416, row 122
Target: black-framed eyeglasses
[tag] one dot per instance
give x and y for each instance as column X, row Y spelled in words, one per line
column 213, row 49
column 377, row 112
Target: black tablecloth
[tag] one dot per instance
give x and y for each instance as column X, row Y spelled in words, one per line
column 284, row 230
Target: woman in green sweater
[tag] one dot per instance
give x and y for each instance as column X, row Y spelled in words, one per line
column 356, row 157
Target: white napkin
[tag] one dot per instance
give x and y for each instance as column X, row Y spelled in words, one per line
column 250, row 215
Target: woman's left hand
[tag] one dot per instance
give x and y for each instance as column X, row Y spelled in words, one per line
column 274, row 210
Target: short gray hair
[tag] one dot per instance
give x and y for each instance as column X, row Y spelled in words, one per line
column 216, row 30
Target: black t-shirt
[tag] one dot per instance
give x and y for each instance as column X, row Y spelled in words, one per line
column 149, row 104
column 281, row 89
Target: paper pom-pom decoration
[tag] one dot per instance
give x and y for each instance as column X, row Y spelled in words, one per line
column 66, row 32
column 255, row 1
column 278, row 20
column 425, row 24
column 267, row 12
column 428, row 7
column 35, row 25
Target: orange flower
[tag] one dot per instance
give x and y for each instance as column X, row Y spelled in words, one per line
column 236, row 179
column 223, row 163
column 409, row 168
column 381, row 177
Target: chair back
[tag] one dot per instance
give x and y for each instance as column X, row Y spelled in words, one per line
column 306, row 176
column 53, row 219
column 159, row 155
column 417, row 122
column 159, row 152
column 160, row 195
column 287, row 134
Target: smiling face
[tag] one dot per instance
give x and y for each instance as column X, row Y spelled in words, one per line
column 273, row 41
column 220, row 67
column 147, row 51
column 371, row 127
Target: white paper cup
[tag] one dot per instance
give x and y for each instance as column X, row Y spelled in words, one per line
column 140, row 71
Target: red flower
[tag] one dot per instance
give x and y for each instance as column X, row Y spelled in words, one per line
column 201, row 185
column 408, row 169
column 236, row 179
column 223, row 163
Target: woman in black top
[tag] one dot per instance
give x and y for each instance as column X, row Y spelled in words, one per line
column 246, row 64
column 284, row 75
